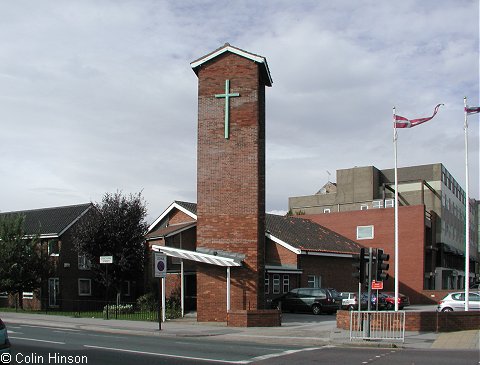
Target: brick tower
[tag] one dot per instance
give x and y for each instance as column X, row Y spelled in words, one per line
column 231, row 178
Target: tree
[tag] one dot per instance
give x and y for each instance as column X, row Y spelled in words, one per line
column 24, row 264
column 115, row 227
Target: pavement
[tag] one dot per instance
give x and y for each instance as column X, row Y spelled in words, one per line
column 299, row 329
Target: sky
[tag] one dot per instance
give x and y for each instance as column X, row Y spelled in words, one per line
column 99, row 96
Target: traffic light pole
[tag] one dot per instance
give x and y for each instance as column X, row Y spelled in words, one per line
column 366, row 324
column 369, row 282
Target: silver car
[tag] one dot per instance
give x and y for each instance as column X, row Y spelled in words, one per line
column 456, row 302
column 4, row 342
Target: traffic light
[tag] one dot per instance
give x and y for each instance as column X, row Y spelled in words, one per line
column 381, row 265
column 360, row 266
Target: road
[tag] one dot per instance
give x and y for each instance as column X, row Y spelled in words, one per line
column 48, row 345
column 363, row 356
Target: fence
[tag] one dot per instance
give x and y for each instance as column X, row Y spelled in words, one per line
column 371, row 325
column 99, row 309
column 102, row 309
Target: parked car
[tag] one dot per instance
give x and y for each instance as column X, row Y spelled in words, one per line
column 315, row 300
column 335, row 295
column 4, row 342
column 387, row 301
column 475, row 287
column 349, row 300
column 456, row 302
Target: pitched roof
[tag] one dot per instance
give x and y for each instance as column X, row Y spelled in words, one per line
column 297, row 234
column 305, row 235
column 228, row 48
column 186, row 207
column 191, row 207
column 171, row 230
column 51, row 221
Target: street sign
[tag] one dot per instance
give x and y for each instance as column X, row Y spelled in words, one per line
column 377, row 285
column 106, row 259
column 160, row 265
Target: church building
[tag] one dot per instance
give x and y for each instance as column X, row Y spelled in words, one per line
column 231, row 255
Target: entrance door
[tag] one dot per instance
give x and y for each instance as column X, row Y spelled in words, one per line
column 190, row 292
column 53, row 292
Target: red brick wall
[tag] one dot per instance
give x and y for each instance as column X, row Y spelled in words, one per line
column 411, row 241
column 276, row 254
column 336, row 272
column 177, row 216
column 255, row 318
column 231, row 182
column 427, row 321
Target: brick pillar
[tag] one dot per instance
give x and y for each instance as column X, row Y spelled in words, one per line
column 231, row 182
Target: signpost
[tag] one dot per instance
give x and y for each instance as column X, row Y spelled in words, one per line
column 106, row 260
column 160, row 272
column 377, row 285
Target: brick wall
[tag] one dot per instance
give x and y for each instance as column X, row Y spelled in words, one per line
column 231, row 183
column 254, row 318
column 427, row 321
column 177, row 216
column 411, row 241
column 336, row 272
column 276, row 254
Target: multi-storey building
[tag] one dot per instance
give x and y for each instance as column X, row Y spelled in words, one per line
column 359, row 205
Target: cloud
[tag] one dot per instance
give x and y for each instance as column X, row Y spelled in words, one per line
column 99, row 96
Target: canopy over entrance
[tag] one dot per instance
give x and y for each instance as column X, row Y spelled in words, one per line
column 204, row 255
column 207, row 256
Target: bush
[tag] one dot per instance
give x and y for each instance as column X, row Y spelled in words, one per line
column 147, row 302
column 173, row 309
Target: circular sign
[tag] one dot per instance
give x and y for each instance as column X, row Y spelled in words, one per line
column 160, row 265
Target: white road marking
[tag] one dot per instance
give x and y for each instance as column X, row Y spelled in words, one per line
column 262, row 357
column 165, row 355
column 36, row 340
column 52, row 328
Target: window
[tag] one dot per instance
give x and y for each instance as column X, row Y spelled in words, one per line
column 363, row 207
column 83, row 262
column 126, row 288
column 267, row 283
column 276, row 283
column 314, row 281
column 53, row 247
column 84, row 287
column 377, row 204
column 286, row 283
column 364, row 232
column 389, row 203
column 326, row 210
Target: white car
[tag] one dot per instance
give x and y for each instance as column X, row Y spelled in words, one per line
column 456, row 302
column 349, row 300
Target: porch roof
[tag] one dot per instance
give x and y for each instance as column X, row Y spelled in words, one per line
column 218, row 258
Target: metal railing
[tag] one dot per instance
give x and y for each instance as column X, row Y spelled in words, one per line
column 371, row 325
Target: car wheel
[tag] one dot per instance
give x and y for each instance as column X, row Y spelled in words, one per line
column 351, row 307
column 316, row 309
column 389, row 306
column 447, row 309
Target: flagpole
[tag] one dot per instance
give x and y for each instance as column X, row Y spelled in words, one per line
column 467, row 212
column 396, row 207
